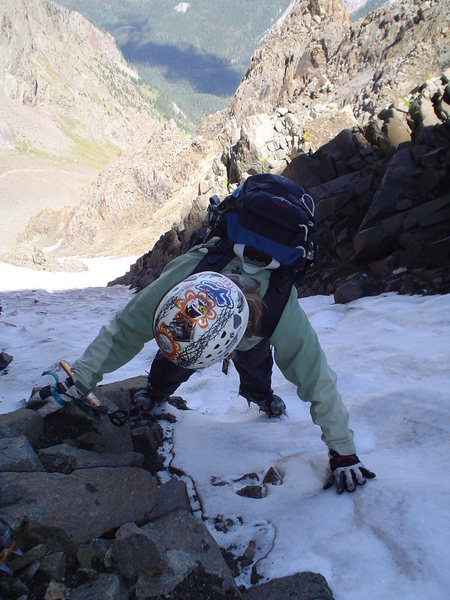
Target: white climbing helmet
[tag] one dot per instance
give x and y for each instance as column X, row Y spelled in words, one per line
column 201, row 320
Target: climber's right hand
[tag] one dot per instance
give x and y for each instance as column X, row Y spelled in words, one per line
column 66, row 390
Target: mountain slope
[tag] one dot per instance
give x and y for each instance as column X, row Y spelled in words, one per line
column 315, row 56
column 69, row 104
column 65, row 87
column 195, row 53
column 308, row 80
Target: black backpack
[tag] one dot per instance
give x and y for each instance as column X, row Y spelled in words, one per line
column 273, row 216
column 269, row 213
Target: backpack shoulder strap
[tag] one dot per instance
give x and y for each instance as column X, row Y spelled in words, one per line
column 217, row 257
column 278, row 291
column 275, row 300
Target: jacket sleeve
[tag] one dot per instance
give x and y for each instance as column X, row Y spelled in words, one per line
column 124, row 337
column 302, row 361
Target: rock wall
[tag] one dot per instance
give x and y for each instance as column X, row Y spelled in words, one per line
column 382, row 199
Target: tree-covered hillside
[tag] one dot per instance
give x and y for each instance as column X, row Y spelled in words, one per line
column 194, row 53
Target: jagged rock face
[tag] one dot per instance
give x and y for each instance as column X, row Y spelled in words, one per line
column 382, row 205
column 138, row 198
column 61, row 77
column 294, row 52
column 316, row 56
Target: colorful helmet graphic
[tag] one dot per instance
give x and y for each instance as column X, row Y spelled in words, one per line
column 201, row 320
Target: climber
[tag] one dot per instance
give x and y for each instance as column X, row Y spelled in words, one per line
column 233, row 297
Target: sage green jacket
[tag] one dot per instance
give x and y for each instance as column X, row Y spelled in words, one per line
column 297, row 351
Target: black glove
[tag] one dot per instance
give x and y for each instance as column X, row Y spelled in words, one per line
column 346, row 471
column 66, row 391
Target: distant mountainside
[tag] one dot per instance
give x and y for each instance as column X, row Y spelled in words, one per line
column 194, row 53
column 65, row 88
column 69, row 104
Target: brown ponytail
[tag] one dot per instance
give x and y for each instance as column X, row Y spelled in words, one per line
column 255, row 304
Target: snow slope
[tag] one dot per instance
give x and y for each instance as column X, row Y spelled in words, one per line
column 390, row 539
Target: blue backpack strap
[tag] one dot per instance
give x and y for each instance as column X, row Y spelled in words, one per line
column 278, row 291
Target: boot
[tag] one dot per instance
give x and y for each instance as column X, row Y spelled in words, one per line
column 145, row 399
column 268, row 402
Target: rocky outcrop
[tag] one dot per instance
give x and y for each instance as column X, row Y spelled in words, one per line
column 81, row 501
column 382, row 203
column 315, row 56
column 137, row 198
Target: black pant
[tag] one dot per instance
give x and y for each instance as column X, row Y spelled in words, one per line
column 254, row 367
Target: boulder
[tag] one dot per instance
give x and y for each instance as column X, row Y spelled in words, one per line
column 188, row 546
column 22, row 422
column 134, row 553
column 301, row 586
column 107, row 586
column 71, row 509
column 64, row 458
column 17, row 454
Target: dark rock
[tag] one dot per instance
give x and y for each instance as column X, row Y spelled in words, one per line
column 36, row 553
column 134, row 553
column 13, row 588
column 121, row 392
column 92, row 554
column 22, row 422
column 347, row 292
column 88, row 432
column 53, row 565
column 147, row 439
column 17, row 454
column 107, row 586
column 72, row 509
column 252, row 491
column 188, row 545
column 5, row 359
column 438, row 252
column 301, row 586
column 64, row 459
column 170, row 497
column 273, row 476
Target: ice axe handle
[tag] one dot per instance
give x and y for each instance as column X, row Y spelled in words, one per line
column 93, row 400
